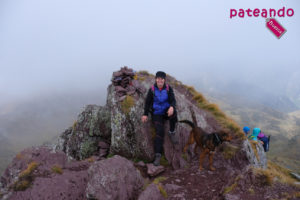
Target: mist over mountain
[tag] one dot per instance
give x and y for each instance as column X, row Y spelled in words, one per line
column 6, row 152
column 293, row 88
column 33, row 121
column 280, row 91
column 44, row 115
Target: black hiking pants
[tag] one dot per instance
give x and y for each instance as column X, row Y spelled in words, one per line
column 159, row 121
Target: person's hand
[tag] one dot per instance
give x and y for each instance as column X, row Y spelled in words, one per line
column 261, row 142
column 170, row 111
column 144, row 118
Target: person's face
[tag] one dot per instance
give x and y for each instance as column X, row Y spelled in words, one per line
column 160, row 82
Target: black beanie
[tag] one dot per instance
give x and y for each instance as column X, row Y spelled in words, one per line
column 160, row 74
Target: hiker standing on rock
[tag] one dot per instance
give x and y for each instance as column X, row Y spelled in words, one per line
column 161, row 103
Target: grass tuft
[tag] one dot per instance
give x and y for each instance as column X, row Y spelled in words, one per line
column 220, row 116
column 163, row 161
column 25, row 177
column 162, row 191
column 229, row 151
column 141, row 78
column 29, row 170
column 21, row 185
column 159, row 179
column 144, row 72
column 265, row 176
column 199, row 98
column 57, row 169
column 230, row 188
column 110, row 155
column 281, row 173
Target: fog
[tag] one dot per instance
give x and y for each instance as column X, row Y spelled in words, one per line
column 76, row 45
column 57, row 56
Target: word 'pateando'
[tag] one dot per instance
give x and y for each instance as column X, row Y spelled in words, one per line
column 263, row 12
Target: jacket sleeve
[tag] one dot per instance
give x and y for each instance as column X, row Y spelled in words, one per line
column 148, row 102
column 172, row 99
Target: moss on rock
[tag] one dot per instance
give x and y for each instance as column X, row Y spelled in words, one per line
column 57, row 169
column 87, row 149
column 127, row 103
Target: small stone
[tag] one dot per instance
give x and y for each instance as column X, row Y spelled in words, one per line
column 231, row 197
column 141, row 164
column 154, row 170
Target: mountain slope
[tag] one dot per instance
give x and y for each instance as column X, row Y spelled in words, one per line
column 49, row 172
column 284, row 128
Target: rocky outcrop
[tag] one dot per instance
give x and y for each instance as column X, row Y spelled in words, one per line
column 255, row 154
column 124, row 83
column 113, row 178
column 77, row 167
column 39, row 173
column 133, row 139
column 151, row 193
column 82, row 139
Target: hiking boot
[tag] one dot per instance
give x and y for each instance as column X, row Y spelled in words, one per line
column 157, row 159
column 173, row 137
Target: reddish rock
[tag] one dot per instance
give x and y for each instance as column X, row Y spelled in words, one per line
column 69, row 186
column 153, row 170
column 114, row 178
column 151, row 193
column 44, row 156
column 141, row 164
column 54, row 177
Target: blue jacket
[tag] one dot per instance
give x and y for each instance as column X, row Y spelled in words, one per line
column 160, row 101
column 255, row 133
column 157, row 102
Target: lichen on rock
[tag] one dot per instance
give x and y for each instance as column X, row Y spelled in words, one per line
column 81, row 140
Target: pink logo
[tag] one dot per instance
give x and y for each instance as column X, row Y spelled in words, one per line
column 275, row 27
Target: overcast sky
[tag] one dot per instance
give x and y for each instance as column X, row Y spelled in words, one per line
column 72, row 44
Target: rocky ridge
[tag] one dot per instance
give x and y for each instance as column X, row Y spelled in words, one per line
column 107, row 153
